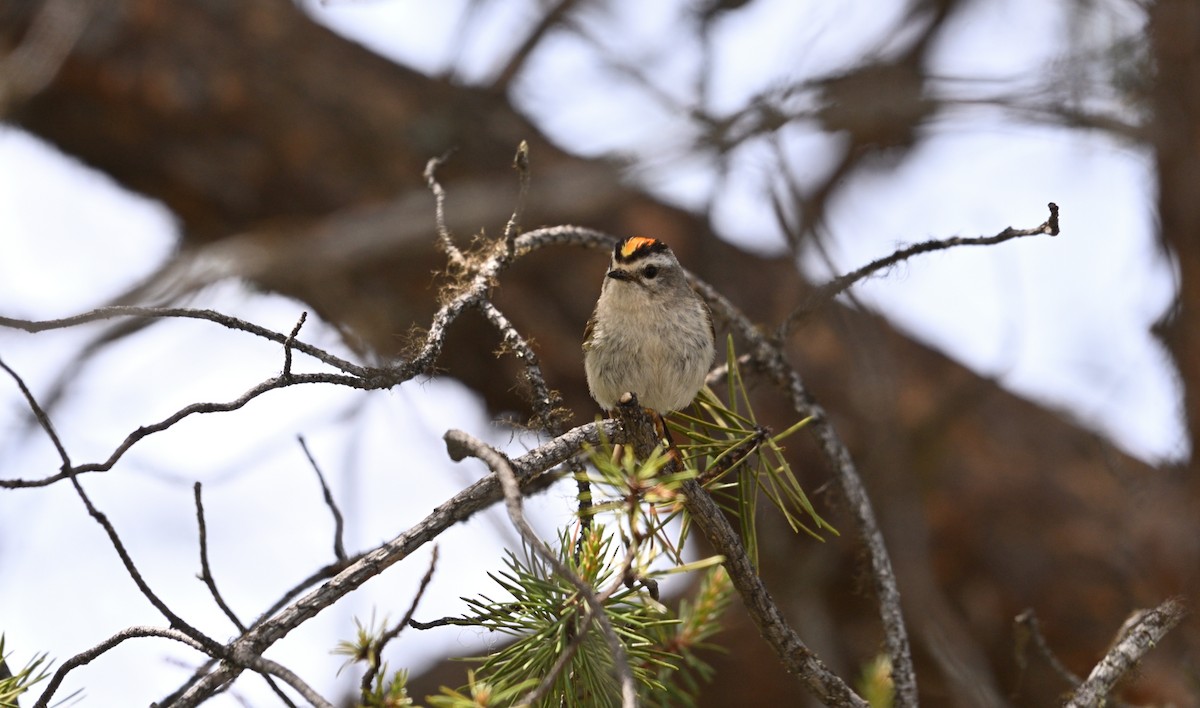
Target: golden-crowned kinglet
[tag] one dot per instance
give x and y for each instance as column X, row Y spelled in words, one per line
column 651, row 334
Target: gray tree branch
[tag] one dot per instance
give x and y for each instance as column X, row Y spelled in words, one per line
column 1142, row 631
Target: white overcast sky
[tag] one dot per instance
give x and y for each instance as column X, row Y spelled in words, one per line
column 1064, row 321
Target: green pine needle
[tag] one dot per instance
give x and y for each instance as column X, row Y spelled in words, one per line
column 721, row 431
column 12, row 687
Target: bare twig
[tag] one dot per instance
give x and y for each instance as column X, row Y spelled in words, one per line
column 88, row 656
column 339, row 525
column 797, row 658
column 136, row 436
column 546, row 402
column 211, row 646
column 205, row 571
column 1142, row 631
column 1031, row 630
column 39, row 414
column 289, row 343
column 374, row 663
column 513, row 228
column 842, row 283
column 442, row 622
column 265, row 666
column 227, row 321
column 210, row 581
column 503, row 469
column 445, row 239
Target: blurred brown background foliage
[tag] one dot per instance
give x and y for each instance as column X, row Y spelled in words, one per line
column 292, row 158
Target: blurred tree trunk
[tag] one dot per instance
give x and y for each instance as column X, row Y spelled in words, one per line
column 293, row 158
column 1175, row 137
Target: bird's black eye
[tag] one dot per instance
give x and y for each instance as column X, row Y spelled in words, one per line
column 650, row 271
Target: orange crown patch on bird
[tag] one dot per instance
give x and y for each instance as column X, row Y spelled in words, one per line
column 636, row 247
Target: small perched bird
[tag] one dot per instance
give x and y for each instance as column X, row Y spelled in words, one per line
column 651, row 334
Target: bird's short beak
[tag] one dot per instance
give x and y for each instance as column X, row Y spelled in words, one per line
column 620, row 274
